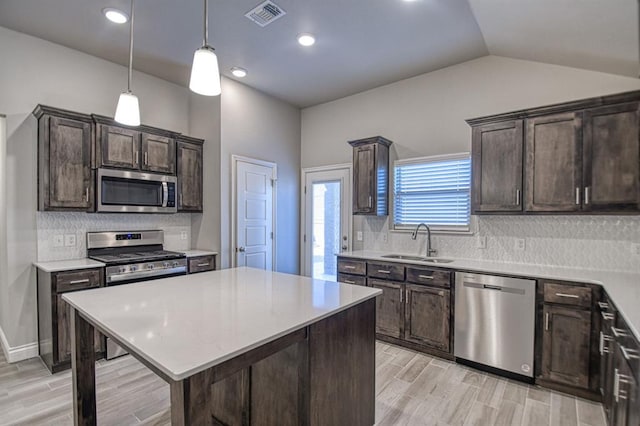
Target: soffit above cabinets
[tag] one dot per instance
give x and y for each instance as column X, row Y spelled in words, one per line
column 361, row 44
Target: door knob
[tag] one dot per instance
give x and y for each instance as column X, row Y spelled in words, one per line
column 344, row 247
column 241, row 249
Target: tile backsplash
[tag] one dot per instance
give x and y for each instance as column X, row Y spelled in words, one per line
column 50, row 224
column 589, row 242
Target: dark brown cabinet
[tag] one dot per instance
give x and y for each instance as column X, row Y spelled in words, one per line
column 65, row 181
column 626, row 394
column 54, row 314
column 553, row 165
column 497, row 167
column 190, row 194
column 389, row 308
column 201, row 264
column 427, row 316
column 158, row 154
column 371, row 176
column 118, row 147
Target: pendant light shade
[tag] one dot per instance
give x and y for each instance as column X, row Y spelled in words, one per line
column 128, row 109
column 205, row 73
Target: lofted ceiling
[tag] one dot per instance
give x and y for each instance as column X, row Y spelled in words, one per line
column 361, row 44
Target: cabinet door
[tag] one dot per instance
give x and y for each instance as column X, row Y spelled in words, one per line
column 554, row 163
column 389, row 308
column 119, row 147
column 566, row 344
column 364, row 185
column 158, row 154
column 69, row 177
column 612, row 158
column 63, row 329
column 189, row 177
column 497, row 167
column 626, row 399
column 427, row 316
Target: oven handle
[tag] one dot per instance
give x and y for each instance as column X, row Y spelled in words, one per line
column 145, row 274
column 165, row 193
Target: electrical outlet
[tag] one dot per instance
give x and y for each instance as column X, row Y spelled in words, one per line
column 58, row 240
column 481, row 242
column 385, row 237
column 70, row 240
column 520, row 244
column 359, row 236
column 635, row 248
column 183, row 235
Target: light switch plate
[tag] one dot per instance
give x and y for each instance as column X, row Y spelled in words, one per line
column 385, row 237
column 58, row 240
column 183, row 235
column 359, row 236
column 481, row 242
column 520, row 244
column 70, row 240
column 635, row 248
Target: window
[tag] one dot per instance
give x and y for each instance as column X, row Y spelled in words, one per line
column 433, row 190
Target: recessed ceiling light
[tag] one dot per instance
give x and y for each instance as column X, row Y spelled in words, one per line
column 115, row 15
column 239, row 72
column 306, row 39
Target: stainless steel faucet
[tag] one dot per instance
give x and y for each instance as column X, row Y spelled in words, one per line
column 414, row 235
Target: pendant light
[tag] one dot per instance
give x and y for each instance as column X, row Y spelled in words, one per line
column 205, row 74
column 128, row 109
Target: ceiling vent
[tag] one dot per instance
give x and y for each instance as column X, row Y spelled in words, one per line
column 265, row 13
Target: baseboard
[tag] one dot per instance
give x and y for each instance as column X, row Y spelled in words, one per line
column 17, row 353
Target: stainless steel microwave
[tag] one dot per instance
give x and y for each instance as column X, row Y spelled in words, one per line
column 135, row 192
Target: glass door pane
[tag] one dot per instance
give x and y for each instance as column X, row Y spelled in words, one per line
column 326, row 230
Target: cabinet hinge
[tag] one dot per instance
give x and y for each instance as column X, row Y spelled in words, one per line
column 305, row 190
column 305, row 238
column 272, row 235
column 273, row 181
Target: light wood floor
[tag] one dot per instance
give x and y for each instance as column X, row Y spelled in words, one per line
column 411, row 388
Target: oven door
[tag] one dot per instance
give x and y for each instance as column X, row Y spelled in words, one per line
column 127, row 191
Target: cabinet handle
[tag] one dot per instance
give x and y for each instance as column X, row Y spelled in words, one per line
column 587, row 190
column 369, row 202
column 401, row 298
column 348, row 281
column 606, row 316
column 571, row 296
column 616, row 384
column 546, row 321
column 382, row 271
column 629, row 354
column 618, row 332
column 604, row 338
column 203, row 264
column 620, row 378
column 86, row 280
column 603, row 305
column 426, row 277
column 181, row 203
column 86, row 194
column 146, row 158
column 517, row 197
column 349, row 267
column 578, row 196
column 136, row 157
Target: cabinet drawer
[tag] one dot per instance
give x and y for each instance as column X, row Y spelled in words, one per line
column 202, row 264
column 567, row 294
column 78, row 280
column 387, row 271
column 429, row 277
column 355, row 267
column 352, row 279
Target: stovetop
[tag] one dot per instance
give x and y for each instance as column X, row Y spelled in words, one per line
column 136, row 257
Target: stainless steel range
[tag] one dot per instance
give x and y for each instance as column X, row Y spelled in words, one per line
column 131, row 257
column 134, row 256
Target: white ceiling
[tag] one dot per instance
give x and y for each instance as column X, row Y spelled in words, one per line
column 361, row 44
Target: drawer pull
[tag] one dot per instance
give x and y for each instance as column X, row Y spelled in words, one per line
column 607, row 316
column 86, row 280
column 572, row 296
column 349, row 267
column 603, row 305
column 382, row 271
column 203, row 264
column 348, row 282
column 618, row 332
column 546, row 321
column 629, row 354
column 426, row 277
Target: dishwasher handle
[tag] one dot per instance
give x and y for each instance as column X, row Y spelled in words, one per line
column 504, row 289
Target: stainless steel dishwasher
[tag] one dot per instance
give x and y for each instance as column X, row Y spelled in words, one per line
column 495, row 322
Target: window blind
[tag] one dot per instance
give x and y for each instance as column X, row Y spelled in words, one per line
column 433, row 190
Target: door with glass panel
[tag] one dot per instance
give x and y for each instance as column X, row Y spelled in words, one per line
column 327, row 224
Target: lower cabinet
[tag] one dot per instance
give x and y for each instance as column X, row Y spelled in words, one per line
column 54, row 314
column 390, row 308
column 201, row 264
column 427, row 316
column 626, row 395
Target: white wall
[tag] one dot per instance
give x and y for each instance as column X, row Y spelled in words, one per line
column 3, row 222
column 258, row 126
column 34, row 71
column 425, row 115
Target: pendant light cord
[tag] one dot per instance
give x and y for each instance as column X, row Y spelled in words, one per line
column 206, row 22
column 130, row 50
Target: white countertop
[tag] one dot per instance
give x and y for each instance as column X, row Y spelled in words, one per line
column 623, row 287
column 68, row 265
column 198, row 252
column 184, row 325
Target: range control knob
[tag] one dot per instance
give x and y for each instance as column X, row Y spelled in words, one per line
column 134, row 268
column 175, row 264
column 150, row 266
column 166, row 264
column 123, row 270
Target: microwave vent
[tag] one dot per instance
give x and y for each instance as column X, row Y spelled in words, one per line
column 265, row 13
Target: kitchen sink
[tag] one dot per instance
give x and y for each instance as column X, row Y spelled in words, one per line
column 433, row 260
column 417, row 258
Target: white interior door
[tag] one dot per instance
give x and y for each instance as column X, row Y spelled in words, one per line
column 327, row 219
column 254, row 214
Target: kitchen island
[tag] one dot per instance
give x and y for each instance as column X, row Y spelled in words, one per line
column 237, row 346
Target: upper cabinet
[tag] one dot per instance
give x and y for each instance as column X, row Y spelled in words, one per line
column 578, row 157
column 371, row 176
column 497, row 167
column 142, row 148
column 65, row 181
column 190, row 174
